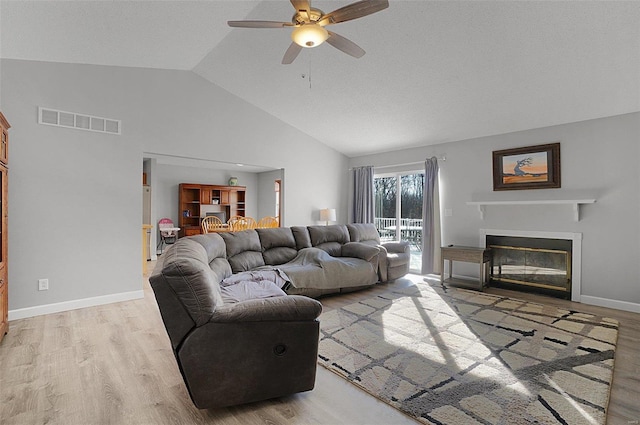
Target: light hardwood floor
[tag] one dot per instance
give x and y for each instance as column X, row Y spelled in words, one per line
column 113, row 364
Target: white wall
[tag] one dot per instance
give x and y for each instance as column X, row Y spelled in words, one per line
column 75, row 196
column 266, row 193
column 599, row 159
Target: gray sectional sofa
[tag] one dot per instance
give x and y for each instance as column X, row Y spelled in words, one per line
column 317, row 260
column 231, row 304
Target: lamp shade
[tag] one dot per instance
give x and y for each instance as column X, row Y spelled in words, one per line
column 328, row 214
column 309, row 35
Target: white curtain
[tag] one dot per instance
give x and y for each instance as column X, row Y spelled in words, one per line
column 431, row 218
column 363, row 195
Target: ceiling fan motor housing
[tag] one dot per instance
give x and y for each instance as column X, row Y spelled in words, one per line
column 306, row 17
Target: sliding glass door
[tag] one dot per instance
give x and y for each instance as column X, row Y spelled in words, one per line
column 400, row 217
column 386, row 207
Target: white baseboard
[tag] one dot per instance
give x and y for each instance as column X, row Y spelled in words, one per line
column 39, row 310
column 605, row 302
column 587, row 299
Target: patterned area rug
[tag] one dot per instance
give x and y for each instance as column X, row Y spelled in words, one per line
column 455, row 356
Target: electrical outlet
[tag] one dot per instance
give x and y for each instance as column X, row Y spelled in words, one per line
column 43, row 284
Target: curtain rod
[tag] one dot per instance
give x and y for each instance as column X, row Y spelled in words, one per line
column 441, row 158
column 398, row 165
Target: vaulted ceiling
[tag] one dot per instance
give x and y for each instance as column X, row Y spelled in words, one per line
column 434, row 71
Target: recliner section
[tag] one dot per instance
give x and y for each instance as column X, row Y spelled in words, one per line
column 232, row 353
column 394, row 258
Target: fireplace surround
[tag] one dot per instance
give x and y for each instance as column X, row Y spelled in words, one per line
column 550, row 261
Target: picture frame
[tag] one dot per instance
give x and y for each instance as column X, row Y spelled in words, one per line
column 529, row 167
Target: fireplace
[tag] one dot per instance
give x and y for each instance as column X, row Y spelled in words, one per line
column 534, row 263
column 543, row 262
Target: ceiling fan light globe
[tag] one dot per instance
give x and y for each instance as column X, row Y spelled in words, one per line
column 309, row 35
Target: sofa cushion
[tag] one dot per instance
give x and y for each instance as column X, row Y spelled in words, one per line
column 301, row 235
column 249, row 290
column 243, row 250
column 213, row 245
column 278, row 245
column 216, row 253
column 364, row 232
column 329, row 238
column 271, row 274
column 186, row 270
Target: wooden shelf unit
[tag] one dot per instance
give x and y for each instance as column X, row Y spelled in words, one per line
column 189, row 208
column 230, row 199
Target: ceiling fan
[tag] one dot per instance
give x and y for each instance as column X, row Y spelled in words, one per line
column 309, row 24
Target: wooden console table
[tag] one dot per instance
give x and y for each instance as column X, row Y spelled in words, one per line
column 466, row 254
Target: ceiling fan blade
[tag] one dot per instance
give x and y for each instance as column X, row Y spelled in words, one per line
column 301, row 5
column 259, row 24
column 291, row 54
column 344, row 44
column 354, row 11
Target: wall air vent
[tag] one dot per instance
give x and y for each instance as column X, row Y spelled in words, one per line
column 80, row 121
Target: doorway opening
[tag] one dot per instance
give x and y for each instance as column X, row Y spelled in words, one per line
column 278, row 202
column 399, row 218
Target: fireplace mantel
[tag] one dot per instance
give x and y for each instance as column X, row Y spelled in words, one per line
column 575, row 203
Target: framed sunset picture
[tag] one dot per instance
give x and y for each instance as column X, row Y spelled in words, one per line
column 530, row 167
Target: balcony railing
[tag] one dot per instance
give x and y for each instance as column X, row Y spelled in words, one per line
column 410, row 229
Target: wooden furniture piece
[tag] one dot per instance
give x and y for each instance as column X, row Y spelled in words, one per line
column 466, row 254
column 4, row 281
column 227, row 199
column 238, row 223
column 212, row 224
column 268, row 222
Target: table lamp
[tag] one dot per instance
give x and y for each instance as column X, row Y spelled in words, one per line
column 327, row 215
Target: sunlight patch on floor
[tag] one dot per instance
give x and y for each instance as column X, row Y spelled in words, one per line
column 443, row 338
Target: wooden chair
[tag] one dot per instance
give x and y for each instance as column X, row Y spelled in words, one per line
column 232, row 220
column 238, row 223
column 266, row 222
column 211, row 224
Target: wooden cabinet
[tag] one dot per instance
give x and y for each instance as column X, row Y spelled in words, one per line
column 190, row 231
column 205, row 195
column 190, row 197
column 4, row 174
column 197, row 199
column 214, row 195
column 224, row 197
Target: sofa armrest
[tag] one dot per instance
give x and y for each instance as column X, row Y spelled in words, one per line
column 291, row 308
column 397, row 247
column 359, row 250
